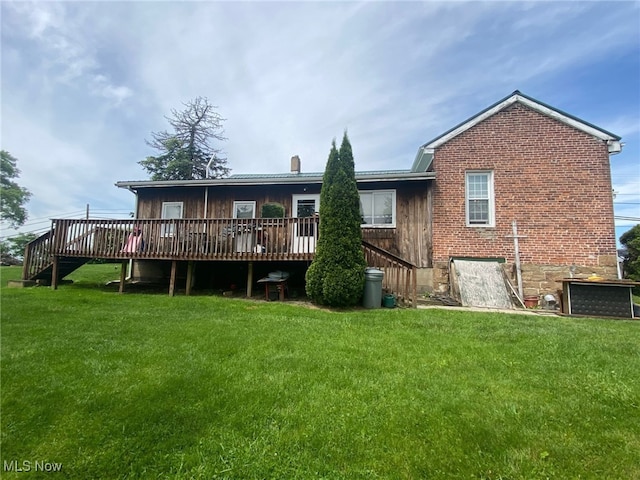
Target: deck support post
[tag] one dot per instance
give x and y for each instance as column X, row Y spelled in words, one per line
column 250, row 280
column 189, row 275
column 414, row 286
column 26, row 262
column 54, row 273
column 123, row 276
column 172, row 280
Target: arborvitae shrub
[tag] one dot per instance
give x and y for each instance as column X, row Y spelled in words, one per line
column 336, row 275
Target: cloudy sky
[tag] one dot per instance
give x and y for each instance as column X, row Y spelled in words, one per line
column 85, row 83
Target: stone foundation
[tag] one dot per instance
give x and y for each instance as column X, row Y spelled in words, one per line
column 440, row 277
column 542, row 279
column 424, row 280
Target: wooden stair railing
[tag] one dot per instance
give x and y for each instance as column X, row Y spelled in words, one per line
column 38, row 260
column 399, row 275
column 37, row 256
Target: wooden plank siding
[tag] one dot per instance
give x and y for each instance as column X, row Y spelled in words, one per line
column 411, row 237
column 409, row 240
column 219, row 199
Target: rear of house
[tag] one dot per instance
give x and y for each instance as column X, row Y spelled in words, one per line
column 396, row 206
column 519, row 160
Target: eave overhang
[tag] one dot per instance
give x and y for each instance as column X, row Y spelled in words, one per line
column 284, row 179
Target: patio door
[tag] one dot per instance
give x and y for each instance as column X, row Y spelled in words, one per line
column 305, row 234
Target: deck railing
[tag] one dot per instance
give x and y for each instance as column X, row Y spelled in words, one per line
column 37, row 255
column 399, row 275
column 204, row 239
column 186, row 239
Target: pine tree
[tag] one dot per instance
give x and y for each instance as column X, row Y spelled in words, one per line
column 186, row 152
column 336, row 275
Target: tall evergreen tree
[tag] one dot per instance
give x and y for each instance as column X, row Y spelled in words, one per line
column 336, row 275
column 185, row 152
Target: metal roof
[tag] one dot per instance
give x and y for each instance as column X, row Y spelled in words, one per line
column 245, row 176
column 278, row 179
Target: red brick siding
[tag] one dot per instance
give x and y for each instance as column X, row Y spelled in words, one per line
column 552, row 179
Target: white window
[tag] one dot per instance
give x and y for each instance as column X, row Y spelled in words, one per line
column 170, row 210
column 378, row 208
column 479, row 199
column 244, row 209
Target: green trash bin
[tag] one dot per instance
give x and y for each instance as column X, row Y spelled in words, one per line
column 372, row 288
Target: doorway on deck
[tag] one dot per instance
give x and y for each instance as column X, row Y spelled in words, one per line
column 305, row 235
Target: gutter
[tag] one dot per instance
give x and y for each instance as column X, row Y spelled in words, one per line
column 288, row 180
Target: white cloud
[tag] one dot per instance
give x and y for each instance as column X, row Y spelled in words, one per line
column 90, row 80
column 68, row 53
column 101, row 86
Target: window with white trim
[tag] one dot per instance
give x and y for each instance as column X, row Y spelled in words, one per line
column 170, row 210
column 479, row 198
column 378, row 208
column 244, row 209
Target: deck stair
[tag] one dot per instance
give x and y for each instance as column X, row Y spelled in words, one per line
column 66, row 266
column 38, row 261
column 400, row 276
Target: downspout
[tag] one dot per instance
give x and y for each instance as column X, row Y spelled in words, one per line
column 613, row 148
column 206, row 208
column 135, row 216
column 206, row 201
column 135, row 209
column 206, row 189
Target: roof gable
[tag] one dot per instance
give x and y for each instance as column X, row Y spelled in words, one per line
column 424, row 156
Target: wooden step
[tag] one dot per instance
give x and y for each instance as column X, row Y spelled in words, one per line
column 66, row 266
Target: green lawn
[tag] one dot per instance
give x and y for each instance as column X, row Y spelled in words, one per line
column 149, row 386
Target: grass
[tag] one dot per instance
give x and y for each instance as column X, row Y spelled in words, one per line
column 148, row 386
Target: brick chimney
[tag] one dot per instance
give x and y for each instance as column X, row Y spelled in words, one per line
column 295, row 164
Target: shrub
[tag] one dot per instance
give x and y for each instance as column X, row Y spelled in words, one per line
column 631, row 263
column 336, row 275
column 272, row 210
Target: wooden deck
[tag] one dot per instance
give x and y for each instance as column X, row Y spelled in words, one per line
column 186, row 239
column 72, row 242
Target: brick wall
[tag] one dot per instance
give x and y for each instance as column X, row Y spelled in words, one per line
column 552, row 179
